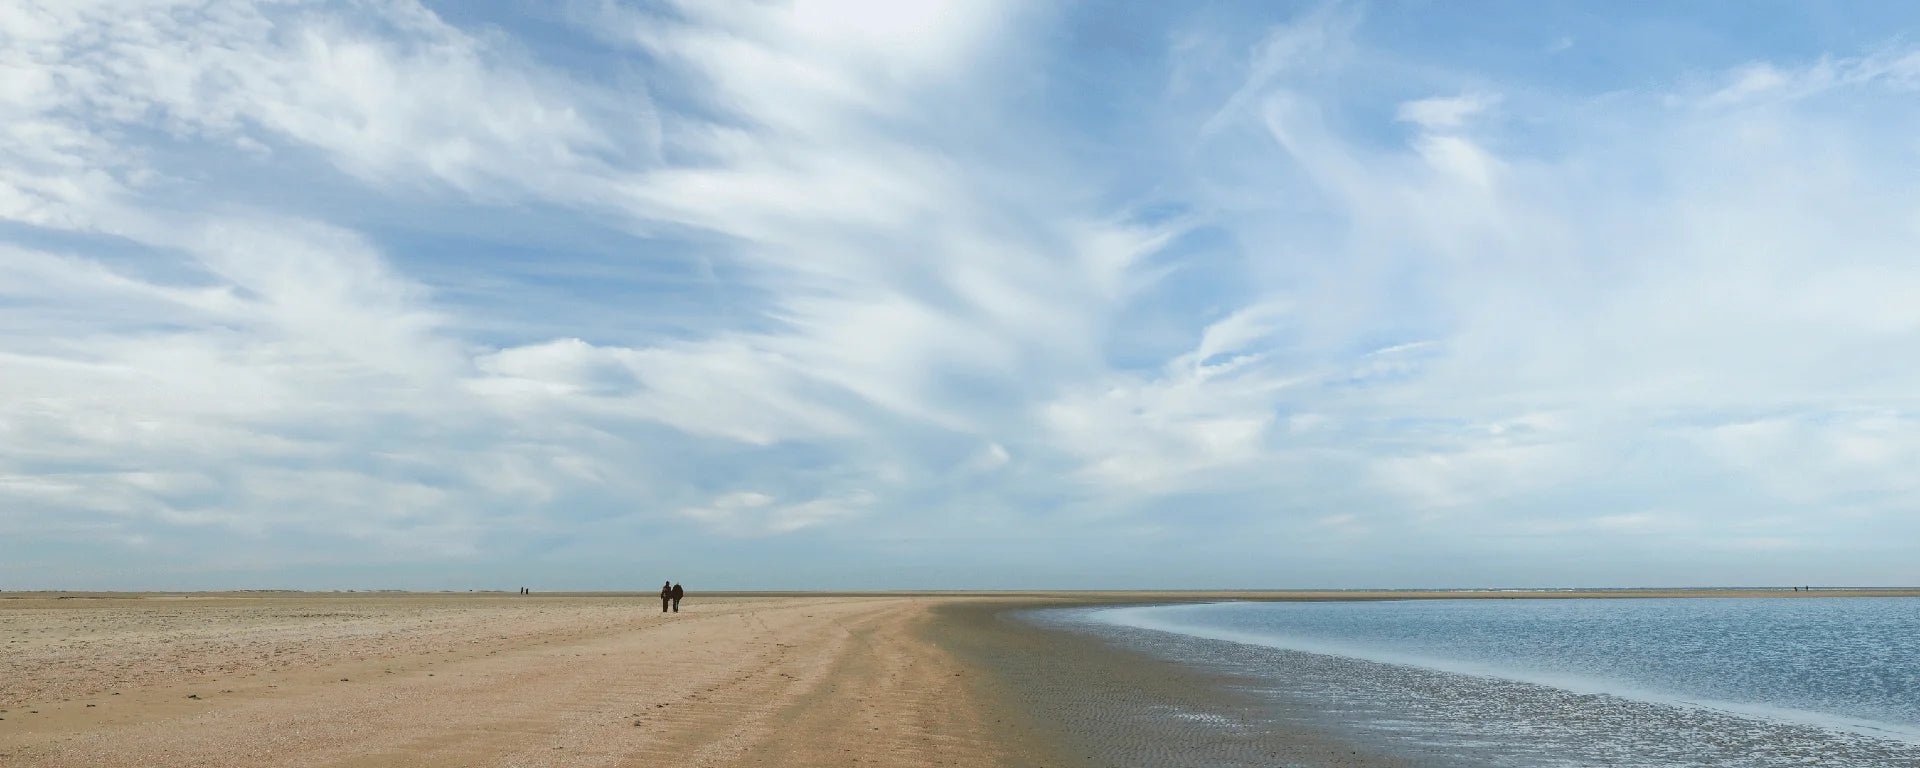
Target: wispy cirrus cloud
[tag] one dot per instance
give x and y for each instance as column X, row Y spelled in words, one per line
column 297, row 286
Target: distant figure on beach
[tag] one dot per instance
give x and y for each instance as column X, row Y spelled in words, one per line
column 677, row 593
column 666, row 595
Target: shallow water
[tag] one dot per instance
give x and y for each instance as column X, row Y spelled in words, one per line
column 1706, row 682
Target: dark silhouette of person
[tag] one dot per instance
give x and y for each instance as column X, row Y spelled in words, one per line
column 666, row 595
column 677, row 594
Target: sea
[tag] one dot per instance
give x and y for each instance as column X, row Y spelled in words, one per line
column 1751, row 682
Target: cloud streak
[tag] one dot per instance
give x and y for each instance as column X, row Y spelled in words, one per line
column 1354, row 305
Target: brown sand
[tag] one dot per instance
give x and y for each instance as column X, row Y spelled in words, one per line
column 433, row 681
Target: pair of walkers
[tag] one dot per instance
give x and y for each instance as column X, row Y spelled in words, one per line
column 670, row 594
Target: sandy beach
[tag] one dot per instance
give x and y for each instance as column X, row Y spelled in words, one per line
column 1329, row 384
column 481, row 680
column 368, row 679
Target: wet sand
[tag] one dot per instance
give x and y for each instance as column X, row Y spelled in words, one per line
column 375, row 679
column 1073, row 699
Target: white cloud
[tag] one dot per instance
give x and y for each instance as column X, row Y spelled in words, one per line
column 1445, row 112
column 990, row 458
column 750, row 513
column 1209, row 412
column 394, row 96
column 288, row 332
column 723, row 388
column 920, row 286
column 1479, row 474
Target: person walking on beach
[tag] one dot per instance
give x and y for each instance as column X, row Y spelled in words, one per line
column 666, row 595
column 677, row 593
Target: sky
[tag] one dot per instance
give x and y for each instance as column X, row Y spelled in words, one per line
column 588, row 294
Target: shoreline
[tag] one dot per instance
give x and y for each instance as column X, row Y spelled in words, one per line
column 1078, row 596
column 1076, row 699
column 604, row 679
column 1121, row 697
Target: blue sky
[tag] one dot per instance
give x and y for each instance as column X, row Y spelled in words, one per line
column 842, row 294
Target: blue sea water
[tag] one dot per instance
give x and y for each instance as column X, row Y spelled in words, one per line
column 1654, row 682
